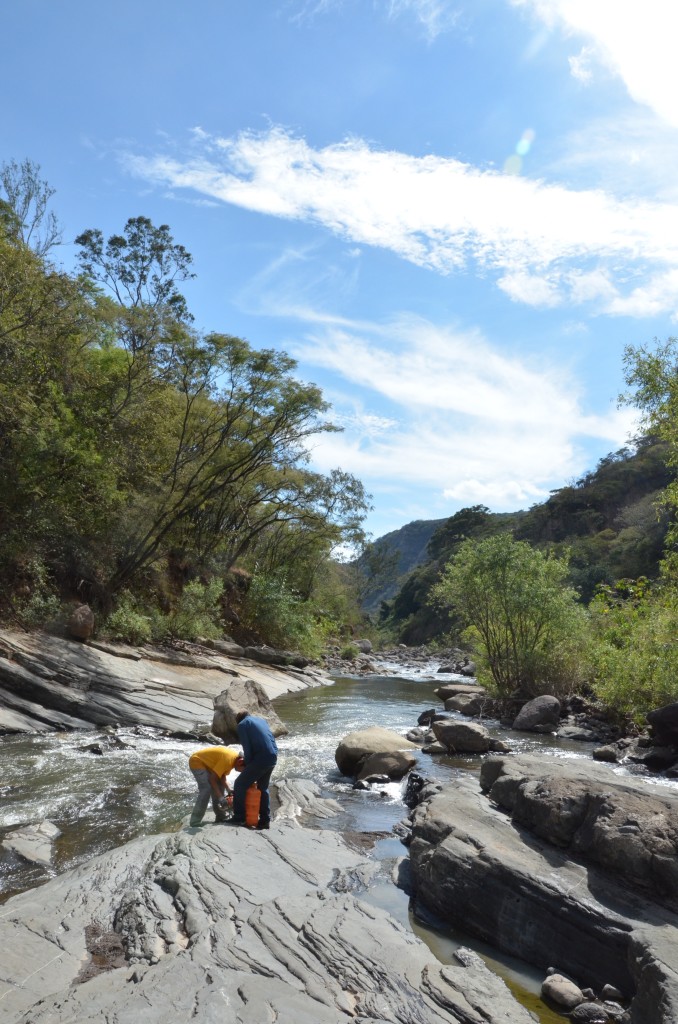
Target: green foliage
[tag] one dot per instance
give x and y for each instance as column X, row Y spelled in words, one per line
column 41, row 603
column 636, row 649
column 196, row 614
column 527, row 630
column 349, row 653
column 127, row 623
column 281, row 617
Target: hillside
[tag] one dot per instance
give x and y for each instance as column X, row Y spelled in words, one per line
column 608, row 520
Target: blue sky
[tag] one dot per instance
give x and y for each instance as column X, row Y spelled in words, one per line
column 454, row 215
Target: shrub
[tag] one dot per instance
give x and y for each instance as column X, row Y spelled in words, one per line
column 636, row 653
column 197, row 614
column 127, row 623
column 42, row 603
column 349, row 653
column 281, row 618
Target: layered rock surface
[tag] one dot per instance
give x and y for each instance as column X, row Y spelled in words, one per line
column 48, row 683
column 224, row 924
column 551, row 904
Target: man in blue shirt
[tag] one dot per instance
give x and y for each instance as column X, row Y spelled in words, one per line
column 261, row 754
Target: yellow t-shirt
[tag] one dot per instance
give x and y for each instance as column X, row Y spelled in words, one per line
column 220, row 760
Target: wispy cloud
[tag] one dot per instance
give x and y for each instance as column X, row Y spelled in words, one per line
column 441, row 213
column 462, row 418
column 434, row 16
column 634, row 39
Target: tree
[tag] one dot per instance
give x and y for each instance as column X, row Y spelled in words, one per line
column 527, row 628
column 26, row 200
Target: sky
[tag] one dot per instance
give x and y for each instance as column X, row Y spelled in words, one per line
column 454, row 214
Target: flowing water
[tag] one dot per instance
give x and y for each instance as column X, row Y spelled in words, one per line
column 141, row 785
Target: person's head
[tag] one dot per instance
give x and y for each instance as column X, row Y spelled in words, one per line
column 241, row 714
column 239, row 764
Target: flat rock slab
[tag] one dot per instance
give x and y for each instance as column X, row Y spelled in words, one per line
column 223, row 924
column 48, row 683
column 33, row 843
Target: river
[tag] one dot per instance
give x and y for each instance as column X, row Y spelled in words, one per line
column 142, row 785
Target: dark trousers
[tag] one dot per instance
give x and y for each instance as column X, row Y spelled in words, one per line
column 259, row 772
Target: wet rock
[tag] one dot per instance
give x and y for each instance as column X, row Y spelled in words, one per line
column 462, row 737
column 434, row 748
column 539, row 715
column 427, row 717
column 466, row 704
column 33, row 843
column 388, row 765
column 357, row 746
column 589, row 1013
column 448, row 690
column 609, row 753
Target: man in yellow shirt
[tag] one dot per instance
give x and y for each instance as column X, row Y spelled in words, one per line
column 210, row 767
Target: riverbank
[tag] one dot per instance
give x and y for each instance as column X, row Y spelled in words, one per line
column 49, row 683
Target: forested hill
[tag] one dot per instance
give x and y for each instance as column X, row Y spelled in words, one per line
column 608, row 520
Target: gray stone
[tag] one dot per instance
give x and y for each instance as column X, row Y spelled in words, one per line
column 231, row 925
column 49, row 683
column 542, row 714
column 466, row 704
column 81, row 622
column 243, row 695
column 394, row 764
column 357, row 746
column 33, row 843
column 589, row 1013
column 477, row 869
column 609, row 753
column 462, row 737
column 562, row 991
column 448, row 690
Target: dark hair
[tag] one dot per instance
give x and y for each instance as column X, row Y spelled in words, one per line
column 241, row 714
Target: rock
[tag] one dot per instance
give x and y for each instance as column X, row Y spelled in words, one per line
column 416, row 736
column 576, row 732
column 610, row 992
column 467, row 670
column 81, row 622
column 466, row 704
column 48, row 683
column 357, row 746
column 609, row 753
column 664, row 725
column 475, row 868
column 462, row 737
column 541, row 714
column 364, row 646
column 628, row 827
column 243, row 695
column 589, row 1013
column 272, row 656
column 227, row 647
column 499, row 746
column 562, row 991
column 426, row 717
column 389, row 765
column 434, row 748
column 237, row 925
column 448, row 690
column 656, row 759
column 33, row 843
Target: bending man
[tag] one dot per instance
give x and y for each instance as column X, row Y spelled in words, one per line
column 210, row 768
column 261, row 753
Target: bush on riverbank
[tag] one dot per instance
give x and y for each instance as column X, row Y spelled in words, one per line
column 527, row 631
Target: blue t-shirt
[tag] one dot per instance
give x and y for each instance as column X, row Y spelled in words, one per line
column 258, row 742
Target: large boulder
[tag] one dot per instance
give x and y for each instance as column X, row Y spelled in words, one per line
column 462, row 737
column 467, row 704
column 395, row 764
column 243, row 695
column 542, row 714
column 34, row 842
column 448, row 690
column 356, row 747
column 80, row 623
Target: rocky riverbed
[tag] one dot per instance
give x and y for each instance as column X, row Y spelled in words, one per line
column 226, row 924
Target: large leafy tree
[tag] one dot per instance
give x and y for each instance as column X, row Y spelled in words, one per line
column 524, row 621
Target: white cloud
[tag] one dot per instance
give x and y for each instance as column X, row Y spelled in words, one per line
column 437, row 212
column 580, row 65
column 635, row 39
column 436, row 16
column 455, row 415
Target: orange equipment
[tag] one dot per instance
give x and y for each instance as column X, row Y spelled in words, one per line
column 252, row 802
